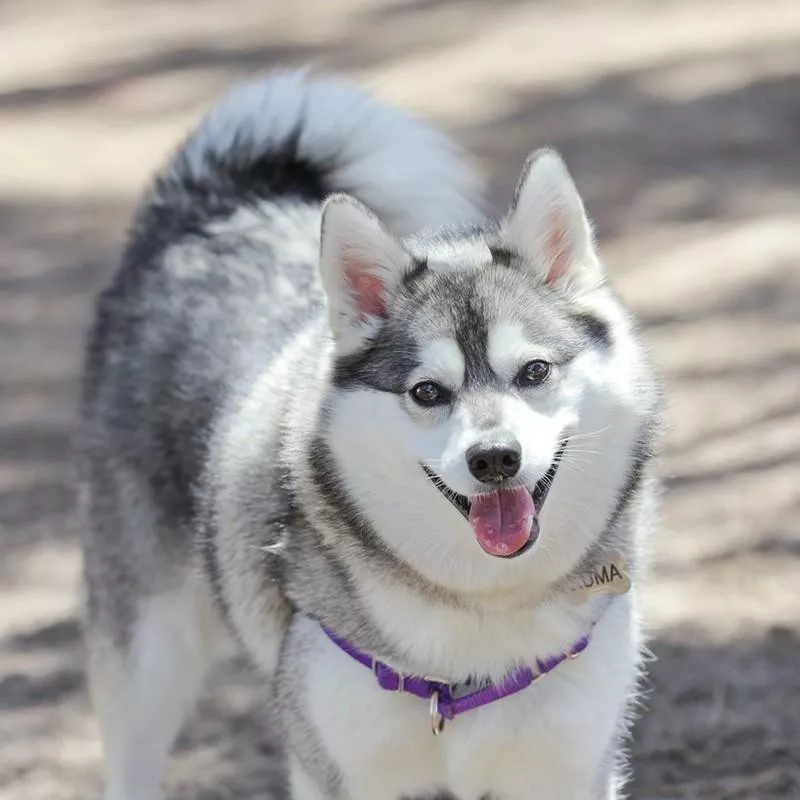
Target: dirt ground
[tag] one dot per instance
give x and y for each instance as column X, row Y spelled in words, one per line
column 681, row 123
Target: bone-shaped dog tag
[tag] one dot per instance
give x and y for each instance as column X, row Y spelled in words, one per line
column 610, row 577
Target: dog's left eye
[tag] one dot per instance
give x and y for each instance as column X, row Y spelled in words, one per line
column 428, row 393
column 534, row 373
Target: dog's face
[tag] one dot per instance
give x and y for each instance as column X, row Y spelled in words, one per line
column 477, row 379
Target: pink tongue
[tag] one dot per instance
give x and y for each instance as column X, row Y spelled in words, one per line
column 503, row 520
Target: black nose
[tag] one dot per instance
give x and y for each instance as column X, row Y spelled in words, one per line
column 494, row 464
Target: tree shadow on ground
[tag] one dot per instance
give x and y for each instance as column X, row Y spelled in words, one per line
column 54, row 257
column 714, row 727
column 721, row 154
column 373, row 37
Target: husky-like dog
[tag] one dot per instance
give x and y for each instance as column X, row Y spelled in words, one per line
column 393, row 448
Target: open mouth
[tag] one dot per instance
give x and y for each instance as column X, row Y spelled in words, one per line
column 506, row 520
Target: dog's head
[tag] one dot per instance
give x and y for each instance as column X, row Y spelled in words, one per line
column 488, row 390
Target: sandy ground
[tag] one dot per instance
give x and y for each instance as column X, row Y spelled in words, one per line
column 681, row 122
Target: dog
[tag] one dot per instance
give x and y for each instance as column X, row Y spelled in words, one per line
column 401, row 454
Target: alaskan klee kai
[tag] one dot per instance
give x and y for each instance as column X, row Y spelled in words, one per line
column 400, row 452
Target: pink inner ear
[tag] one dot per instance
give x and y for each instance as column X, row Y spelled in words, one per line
column 368, row 291
column 557, row 247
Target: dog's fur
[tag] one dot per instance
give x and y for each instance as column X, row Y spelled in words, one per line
column 252, row 459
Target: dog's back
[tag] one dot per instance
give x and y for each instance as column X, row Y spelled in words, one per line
column 219, row 273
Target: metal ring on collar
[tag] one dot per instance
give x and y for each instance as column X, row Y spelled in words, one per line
column 437, row 719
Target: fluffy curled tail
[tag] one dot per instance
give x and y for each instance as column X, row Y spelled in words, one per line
column 288, row 134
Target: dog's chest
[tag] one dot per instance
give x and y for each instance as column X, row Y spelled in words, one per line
column 382, row 744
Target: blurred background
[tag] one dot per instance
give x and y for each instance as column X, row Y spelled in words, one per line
column 681, row 123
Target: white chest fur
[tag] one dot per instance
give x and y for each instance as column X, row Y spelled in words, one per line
column 551, row 740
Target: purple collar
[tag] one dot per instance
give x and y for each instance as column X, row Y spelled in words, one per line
column 448, row 700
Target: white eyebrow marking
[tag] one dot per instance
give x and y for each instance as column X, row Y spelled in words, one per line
column 442, row 360
column 509, row 349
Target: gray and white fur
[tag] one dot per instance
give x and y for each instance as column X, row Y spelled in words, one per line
column 257, row 457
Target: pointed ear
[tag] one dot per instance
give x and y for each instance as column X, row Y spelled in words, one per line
column 361, row 264
column 547, row 224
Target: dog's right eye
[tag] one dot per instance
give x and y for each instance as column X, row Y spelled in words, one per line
column 429, row 393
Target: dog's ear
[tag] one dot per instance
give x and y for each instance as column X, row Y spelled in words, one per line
column 547, row 225
column 361, row 263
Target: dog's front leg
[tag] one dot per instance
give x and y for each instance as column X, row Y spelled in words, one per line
column 303, row 787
